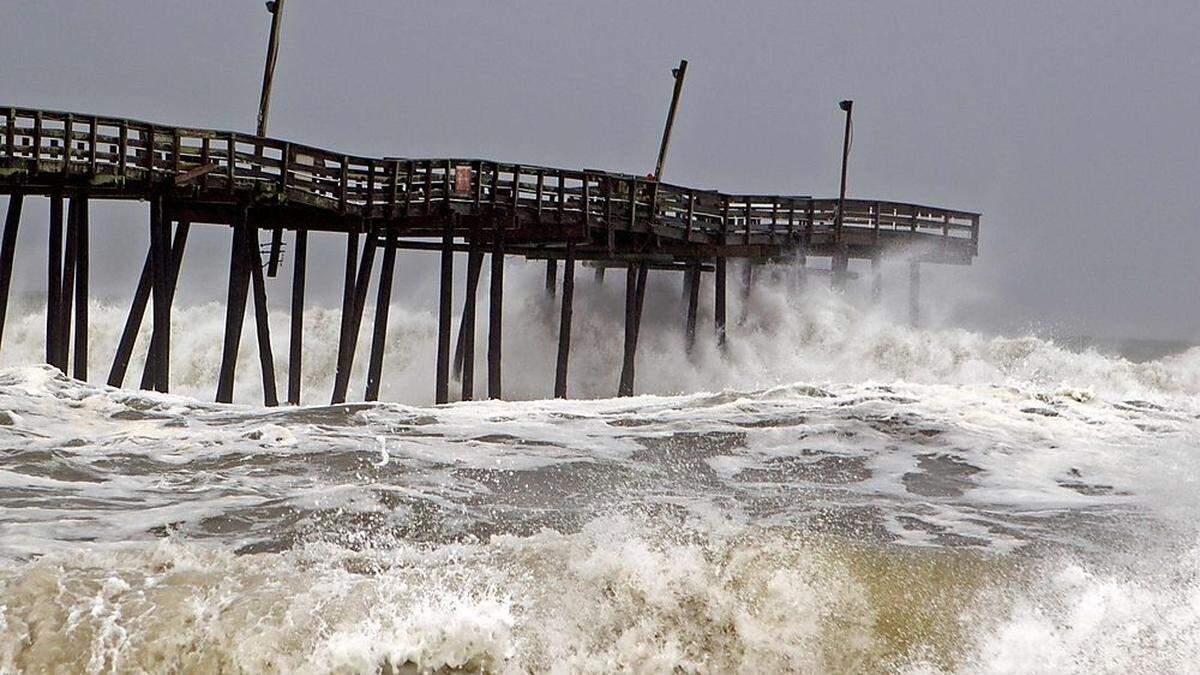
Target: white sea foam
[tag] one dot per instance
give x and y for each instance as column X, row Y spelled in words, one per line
column 838, row 494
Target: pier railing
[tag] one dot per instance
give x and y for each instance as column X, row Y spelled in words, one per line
column 116, row 151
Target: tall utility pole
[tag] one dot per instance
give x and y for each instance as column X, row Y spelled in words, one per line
column 848, row 107
column 275, row 7
column 840, row 257
column 679, row 74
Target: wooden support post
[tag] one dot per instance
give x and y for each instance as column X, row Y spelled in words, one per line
column 266, row 356
column 838, row 266
column 914, row 293
column 150, row 372
column 82, row 249
column 464, row 353
column 551, row 277
column 350, row 327
column 747, row 286
column 383, row 302
column 8, row 249
column 445, row 310
column 693, row 301
column 564, row 324
column 876, row 279
column 348, row 286
column 160, row 339
column 296, row 341
column 235, row 308
column 495, row 314
column 635, row 292
column 719, row 301
column 67, row 294
column 54, row 278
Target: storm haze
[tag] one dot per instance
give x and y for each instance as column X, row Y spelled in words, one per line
column 1071, row 127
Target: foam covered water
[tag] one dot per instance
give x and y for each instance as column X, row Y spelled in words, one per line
column 840, row 493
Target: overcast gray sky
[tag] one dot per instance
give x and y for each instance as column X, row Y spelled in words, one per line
column 1071, row 125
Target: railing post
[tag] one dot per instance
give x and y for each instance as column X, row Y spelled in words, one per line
column 66, row 151
column 123, row 141
column 231, row 160
column 37, row 137
column 10, row 133
column 92, row 134
column 343, row 183
column 691, row 214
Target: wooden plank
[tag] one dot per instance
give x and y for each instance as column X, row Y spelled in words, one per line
column 195, row 174
column 8, row 249
column 296, row 340
column 564, row 324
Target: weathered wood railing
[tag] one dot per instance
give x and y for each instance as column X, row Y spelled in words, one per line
column 117, row 150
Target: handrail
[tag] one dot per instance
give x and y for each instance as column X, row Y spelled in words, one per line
column 387, row 187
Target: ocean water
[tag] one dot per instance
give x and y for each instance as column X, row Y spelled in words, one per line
column 839, row 493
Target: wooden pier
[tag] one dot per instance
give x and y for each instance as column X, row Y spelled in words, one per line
column 480, row 207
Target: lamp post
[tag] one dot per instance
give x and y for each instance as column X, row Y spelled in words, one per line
column 275, row 7
column 678, row 73
column 848, row 107
column 840, row 259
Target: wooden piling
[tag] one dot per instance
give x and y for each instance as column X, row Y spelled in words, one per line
column 266, row 356
column 551, row 277
column 464, row 352
column 296, row 340
column 353, row 321
column 8, row 249
column 838, row 266
column 383, row 301
column 235, row 309
column 445, row 310
column 495, row 311
column 159, row 356
column 348, row 286
column 564, row 324
column 876, row 279
column 719, row 301
column 914, row 293
column 137, row 311
column 67, row 293
column 82, row 274
column 54, row 278
column 150, row 372
column 693, row 302
column 635, row 292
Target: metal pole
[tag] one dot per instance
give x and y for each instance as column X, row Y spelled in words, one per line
column 839, row 262
column 679, row 74
column 847, row 106
column 275, row 7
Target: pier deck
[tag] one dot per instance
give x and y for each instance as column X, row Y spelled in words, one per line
column 193, row 176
